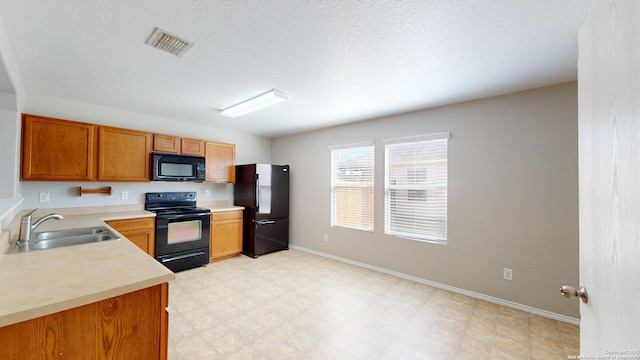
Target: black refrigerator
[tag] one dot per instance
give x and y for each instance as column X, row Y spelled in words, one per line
column 263, row 190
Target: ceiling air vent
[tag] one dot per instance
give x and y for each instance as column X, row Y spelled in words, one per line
column 170, row 43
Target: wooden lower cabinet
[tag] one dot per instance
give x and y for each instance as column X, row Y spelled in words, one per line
column 129, row 326
column 226, row 234
column 140, row 231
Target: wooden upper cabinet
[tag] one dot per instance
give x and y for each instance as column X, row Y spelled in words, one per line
column 220, row 162
column 166, row 143
column 193, row 147
column 123, row 155
column 62, row 150
column 55, row 149
column 177, row 145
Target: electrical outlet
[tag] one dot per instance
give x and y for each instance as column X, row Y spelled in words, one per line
column 44, row 197
column 507, row 274
column 325, row 237
column 207, row 193
column 124, row 195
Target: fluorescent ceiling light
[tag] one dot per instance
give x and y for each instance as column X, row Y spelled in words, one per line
column 271, row 98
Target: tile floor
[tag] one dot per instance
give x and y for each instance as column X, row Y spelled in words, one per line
column 296, row 305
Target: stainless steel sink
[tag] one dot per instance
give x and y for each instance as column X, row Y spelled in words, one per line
column 57, row 234
column 60, row 238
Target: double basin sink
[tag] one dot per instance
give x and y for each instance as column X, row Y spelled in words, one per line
column 61, row 238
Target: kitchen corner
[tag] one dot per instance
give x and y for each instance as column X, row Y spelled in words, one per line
column 8, row 208
column 39, row 283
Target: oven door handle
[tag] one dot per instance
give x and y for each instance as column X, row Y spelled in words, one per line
column 172, row 217
column 180, row 257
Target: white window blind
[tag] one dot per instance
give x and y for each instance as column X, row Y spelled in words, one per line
column 352, row 187
column 416, row 187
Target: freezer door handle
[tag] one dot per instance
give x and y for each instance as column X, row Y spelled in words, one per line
column 257, row 192
column 265, row 222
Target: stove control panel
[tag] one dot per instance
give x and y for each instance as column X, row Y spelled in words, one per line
column 170, row 196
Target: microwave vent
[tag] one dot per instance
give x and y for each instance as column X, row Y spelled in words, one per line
column 167, row 42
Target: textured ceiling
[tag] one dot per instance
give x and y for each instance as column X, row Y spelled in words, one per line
column 339, row 61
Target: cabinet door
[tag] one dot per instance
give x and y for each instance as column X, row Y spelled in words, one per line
column 220, row 161
column 123, row 155
column 166, row 143
column 129, row 326
column 193, row 147
column 226, row 234
column 55, row 149
column 139, row 231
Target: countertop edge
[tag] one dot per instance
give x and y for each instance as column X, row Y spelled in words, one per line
column 157, row 276
column 224, row 208
column 48, row 309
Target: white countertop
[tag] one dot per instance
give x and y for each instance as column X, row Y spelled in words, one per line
column 223, row 208
column 39, row 283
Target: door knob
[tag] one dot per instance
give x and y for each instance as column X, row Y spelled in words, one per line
column 570, row 292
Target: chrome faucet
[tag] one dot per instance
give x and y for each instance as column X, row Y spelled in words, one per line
column 26, row 228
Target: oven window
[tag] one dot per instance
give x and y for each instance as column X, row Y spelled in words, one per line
column 174, row 169
column 184, row 231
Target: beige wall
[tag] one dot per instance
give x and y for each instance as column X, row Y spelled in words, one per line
column 513, row 196
column 11, row 104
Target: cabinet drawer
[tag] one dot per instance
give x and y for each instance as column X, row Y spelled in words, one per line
column 226, row 215
column 133, row 224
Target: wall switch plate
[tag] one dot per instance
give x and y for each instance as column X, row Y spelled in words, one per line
column 207, row 193
column 124, row 195
column 325, row 237
column 44, row 197
column 507, row 274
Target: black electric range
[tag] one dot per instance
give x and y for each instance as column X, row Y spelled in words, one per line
column 182, row 229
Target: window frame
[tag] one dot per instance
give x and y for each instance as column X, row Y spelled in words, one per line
column 425, row 233
column 370, row 145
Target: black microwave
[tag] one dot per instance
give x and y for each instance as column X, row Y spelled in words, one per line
column 173, row 167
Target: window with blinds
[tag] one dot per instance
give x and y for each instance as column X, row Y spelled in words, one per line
column 352, row 186
column 416, row 187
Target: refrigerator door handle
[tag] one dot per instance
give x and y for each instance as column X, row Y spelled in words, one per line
column 265, row 222
column 257, row 192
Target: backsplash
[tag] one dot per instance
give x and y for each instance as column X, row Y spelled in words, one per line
column 9, row 208
column 65, row 194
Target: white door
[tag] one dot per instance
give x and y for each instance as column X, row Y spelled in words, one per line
column 609, row 162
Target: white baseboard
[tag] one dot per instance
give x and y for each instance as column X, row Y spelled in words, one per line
column 456, row 290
